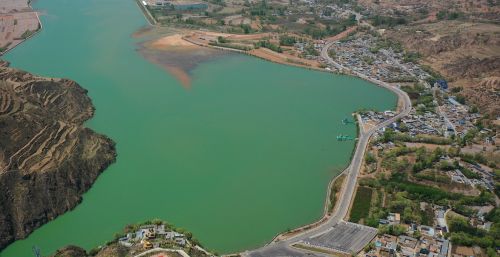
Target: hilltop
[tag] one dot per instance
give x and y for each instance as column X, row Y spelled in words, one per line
column 154, row 238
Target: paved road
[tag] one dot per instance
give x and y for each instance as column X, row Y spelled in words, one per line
column 283, row 248
column 180, row 252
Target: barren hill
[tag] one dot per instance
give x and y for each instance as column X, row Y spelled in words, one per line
column 465, row 53
column 477, row 9
column 47, row 158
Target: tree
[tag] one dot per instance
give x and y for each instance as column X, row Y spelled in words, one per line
column 370, row 158
column 222, row 40
column 286, row 40
column 332, row 53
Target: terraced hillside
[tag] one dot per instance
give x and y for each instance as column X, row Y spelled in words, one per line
column 47, row 158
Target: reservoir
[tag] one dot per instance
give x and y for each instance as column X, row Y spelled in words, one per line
column 244, row 154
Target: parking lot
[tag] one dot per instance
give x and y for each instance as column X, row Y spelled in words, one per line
column 345, row 237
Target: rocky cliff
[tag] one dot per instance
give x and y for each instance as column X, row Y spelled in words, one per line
column 48, row 159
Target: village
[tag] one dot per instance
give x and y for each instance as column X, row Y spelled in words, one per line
column 157, row 236
column 369, row 54
column 445, row 198
column 444, row 188
column 410, row 240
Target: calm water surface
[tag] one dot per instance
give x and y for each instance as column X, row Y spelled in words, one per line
column 243, row 155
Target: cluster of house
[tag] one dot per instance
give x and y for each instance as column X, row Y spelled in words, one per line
column 151, row 236
column 458, row 177
column 406, row 246
column 459, row 117
column 489, row 139
column 333, row 11
column 371, row 116
column 428, row 123
column 430, row 242
column 414, row 124
column 486, row 179
column 479, row 220
column 382, row 64
column 452, row 118
column 302, row 46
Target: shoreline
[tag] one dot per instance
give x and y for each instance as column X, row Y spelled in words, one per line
column 326, row 212
column 252, row 53
column 151, row 20
column 310, row 228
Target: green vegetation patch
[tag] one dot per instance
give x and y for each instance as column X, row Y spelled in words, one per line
column 286, row 40
column 462, row 233
column 5, row 47
column 392, row 136
column 269, row 45
column 361, row 205
column 232, row 46
column 27, row 34
column 337, row 185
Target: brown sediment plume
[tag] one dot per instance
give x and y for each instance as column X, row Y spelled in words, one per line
column 142, row 32
column 174, row 54
column 180, row 75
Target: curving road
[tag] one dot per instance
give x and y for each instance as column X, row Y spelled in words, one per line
column 283, row 248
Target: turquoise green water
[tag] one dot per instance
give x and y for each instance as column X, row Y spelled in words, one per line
column 243, row 155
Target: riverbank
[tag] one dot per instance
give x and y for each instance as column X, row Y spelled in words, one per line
column 331, row 205
column 191, row 42
column 185, row 40
column 244, row 44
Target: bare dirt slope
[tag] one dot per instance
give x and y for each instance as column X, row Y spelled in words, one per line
column 478, row 9
column 465, row 53
column 47, row 158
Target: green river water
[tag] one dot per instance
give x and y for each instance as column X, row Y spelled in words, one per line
column 245, row 154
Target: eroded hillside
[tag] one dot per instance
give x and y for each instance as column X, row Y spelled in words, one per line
column 467, row 54
column 428, row 9
column 48, row 159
